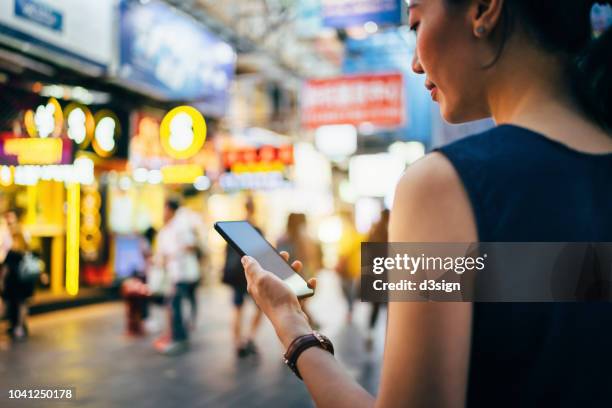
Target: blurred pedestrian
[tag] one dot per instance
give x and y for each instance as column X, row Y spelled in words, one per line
column 19, row 273
column 378, row 233
column 300, row 245
column 194, row 229
column 349, row 261
column 5, row 245
column 233, row 275
column 175, row 247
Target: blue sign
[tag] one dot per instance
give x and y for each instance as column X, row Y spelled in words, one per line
column 171, row 56
column 351, row 13
column 40, row 13
column 392, row 50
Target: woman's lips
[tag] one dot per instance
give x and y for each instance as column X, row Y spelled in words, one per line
column 432, row 88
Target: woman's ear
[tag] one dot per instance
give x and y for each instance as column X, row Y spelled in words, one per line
column 485, row 15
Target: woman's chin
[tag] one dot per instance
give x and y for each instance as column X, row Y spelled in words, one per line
column 450, row 115
column 456, row 116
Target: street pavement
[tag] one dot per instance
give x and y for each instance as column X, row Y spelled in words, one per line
column 86, row 349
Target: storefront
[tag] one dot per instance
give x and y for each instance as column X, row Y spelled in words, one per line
column 53, row 160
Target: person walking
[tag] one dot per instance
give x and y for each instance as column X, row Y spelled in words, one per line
column 297, row 242
column 541, row 175
column 175, row 247
column 378, row 233
column 17, row 287
column 349, row 262
column 192, row 224
column 233, row 276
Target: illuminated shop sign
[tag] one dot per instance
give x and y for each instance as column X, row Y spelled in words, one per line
column 169, row 142
column 53, row 131
column 107, row 131
column 253, row 168
column 34, row 151
column 262, row 159
column 26, row 150
column 377, row 99
column 45, row 121
column 167, row 54
column 253, row 181
column 181, row 173
column 80, row 124
column 91, row 235
column 182, row 132
column 82, row 171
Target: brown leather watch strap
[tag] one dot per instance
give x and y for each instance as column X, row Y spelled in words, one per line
column 303, row 343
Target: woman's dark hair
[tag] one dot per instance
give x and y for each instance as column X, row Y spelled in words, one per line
column 563, row 27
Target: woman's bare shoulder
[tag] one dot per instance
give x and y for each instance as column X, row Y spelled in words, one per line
column 431, row 204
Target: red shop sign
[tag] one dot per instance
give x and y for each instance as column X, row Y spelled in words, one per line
column 264, row 154
column 374, row 98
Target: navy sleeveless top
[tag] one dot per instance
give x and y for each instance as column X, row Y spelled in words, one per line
column 524, row 187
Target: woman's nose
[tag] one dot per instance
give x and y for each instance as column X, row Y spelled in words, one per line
column 416, row 64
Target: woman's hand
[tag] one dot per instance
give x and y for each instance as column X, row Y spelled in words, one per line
column 276, row 300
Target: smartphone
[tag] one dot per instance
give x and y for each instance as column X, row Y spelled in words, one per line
column 246, row 240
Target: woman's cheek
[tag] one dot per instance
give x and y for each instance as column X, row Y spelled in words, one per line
column 426, row 52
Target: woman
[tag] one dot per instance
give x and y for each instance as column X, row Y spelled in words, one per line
column 297, row 242
column 349, row 262
column 233, row 276
column 378, row 233
column 16, row 290
column 544, row 174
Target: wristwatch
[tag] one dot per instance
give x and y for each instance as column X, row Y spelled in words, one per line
column 303, row 343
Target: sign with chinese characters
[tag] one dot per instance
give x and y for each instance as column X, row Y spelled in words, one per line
column 376, row 99
column 257, row 160
column 351, row 13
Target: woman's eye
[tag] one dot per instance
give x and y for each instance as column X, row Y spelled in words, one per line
column 414, row 27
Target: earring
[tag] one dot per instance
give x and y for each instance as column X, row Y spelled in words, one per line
column 480, row 31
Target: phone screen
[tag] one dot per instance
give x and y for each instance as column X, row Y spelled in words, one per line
column 248, row 241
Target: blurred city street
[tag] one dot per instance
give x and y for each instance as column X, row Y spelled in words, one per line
column 86, row 348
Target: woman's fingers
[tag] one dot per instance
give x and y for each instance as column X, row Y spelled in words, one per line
column 312, row 283
column 251, row 267
column 297, row 266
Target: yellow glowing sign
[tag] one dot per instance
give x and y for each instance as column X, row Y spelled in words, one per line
column 72, row 238
column 35, row 151
column 181, row 174
column 106, row 133
column 183, row 132
column 80, row 124
column 263, row 167
column 46, row 121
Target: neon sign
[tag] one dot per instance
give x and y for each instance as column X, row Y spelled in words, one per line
column 183, row 132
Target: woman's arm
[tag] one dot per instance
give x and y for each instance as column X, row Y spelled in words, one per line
column 327, row 381
column 427, row 345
